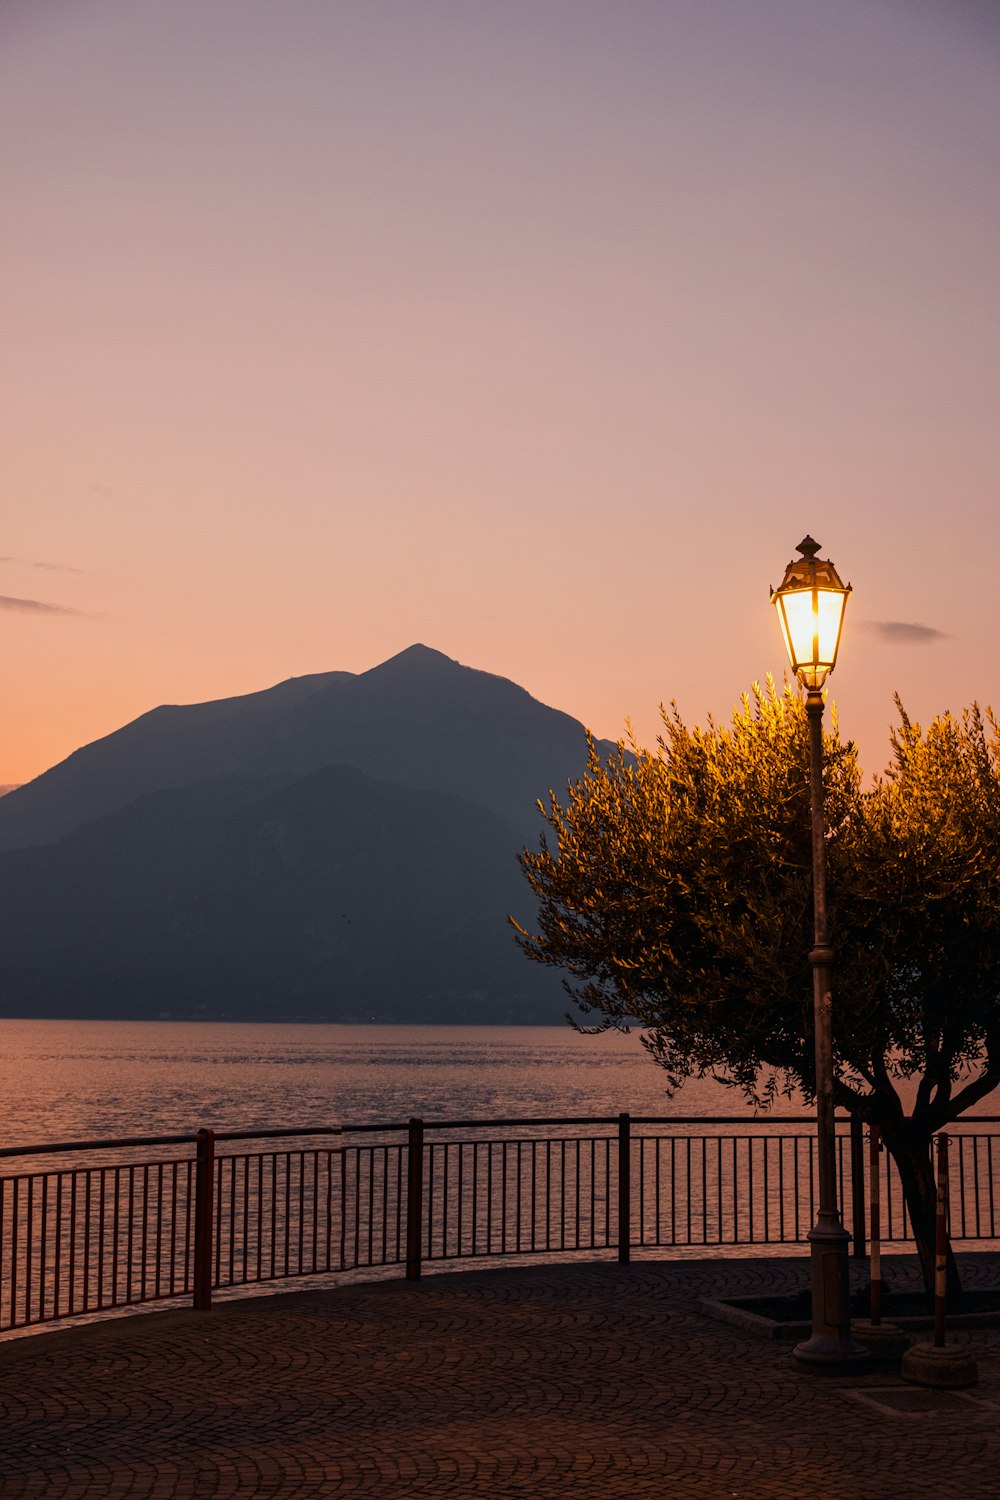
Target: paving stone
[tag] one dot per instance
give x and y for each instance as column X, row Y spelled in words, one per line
column 585, row 1380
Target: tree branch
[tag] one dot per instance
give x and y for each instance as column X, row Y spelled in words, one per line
column 887, row 1104
column 988, row 1080
column 943, row 1111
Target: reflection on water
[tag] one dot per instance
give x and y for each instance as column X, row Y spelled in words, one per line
column 74, row 1080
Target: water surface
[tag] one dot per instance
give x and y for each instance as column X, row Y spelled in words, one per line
column 75, row 1080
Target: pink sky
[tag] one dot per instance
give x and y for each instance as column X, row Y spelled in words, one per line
column 538, row 331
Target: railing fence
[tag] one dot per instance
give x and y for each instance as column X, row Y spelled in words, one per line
column 244, row 1209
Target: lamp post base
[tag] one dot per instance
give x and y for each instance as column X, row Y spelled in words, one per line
column 831, row 1349
column 832, row 1356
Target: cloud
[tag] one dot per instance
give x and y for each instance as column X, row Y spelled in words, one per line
column 902, row 633
column 38, row 606
column 49, row 567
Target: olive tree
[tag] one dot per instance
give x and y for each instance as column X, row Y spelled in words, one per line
column 675, row 890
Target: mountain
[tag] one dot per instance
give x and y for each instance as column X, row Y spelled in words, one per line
column 337, row 847
column 334, row 897
column 419, row 720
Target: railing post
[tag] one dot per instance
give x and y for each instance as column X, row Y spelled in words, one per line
column 858, row 1186
column 414, row 1197
column 624, row 1187
column 204, row 1216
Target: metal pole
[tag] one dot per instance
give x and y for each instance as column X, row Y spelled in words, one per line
column 624, row 1187
column 204, row 1214
column 941, row 1243
column 875, row 1292
column 414, row 1196
column 830, row 1349
column 858, row 1186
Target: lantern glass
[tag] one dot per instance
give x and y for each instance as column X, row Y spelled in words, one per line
column 830, row 606
column 810, row 605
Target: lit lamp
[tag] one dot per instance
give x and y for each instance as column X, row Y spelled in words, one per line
column 810, row 606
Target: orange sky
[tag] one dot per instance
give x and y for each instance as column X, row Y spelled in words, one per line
column 539, row 332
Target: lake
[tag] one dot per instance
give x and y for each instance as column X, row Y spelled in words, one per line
column 77, row 1080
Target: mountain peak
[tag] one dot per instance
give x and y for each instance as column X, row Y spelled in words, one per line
column 415, row 670
column 417, row 657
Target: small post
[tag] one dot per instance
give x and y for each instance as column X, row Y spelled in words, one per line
column 624, row 1187
column 414, row 1196
column 939, row 1363
column 941, row 1242
column 204, row 1194
column 875, row 1276
column 858, row 1186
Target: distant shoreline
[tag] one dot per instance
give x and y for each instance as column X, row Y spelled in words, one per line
column 171, row 1020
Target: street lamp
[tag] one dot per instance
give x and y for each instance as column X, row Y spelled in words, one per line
column 810, row 606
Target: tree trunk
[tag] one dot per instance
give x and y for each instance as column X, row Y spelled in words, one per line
column 911, row 1151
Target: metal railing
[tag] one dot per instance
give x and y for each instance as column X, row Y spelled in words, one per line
column 153, row 1218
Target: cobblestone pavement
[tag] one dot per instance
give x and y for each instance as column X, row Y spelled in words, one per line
column 589, row 1380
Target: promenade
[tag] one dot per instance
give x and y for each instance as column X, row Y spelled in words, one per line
column 587, row 1380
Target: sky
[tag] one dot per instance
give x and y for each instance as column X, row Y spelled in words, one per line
column 539, row 331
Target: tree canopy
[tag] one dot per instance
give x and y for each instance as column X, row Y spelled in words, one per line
column 675, row 891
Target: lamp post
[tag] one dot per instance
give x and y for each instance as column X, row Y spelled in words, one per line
column 810, row 606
